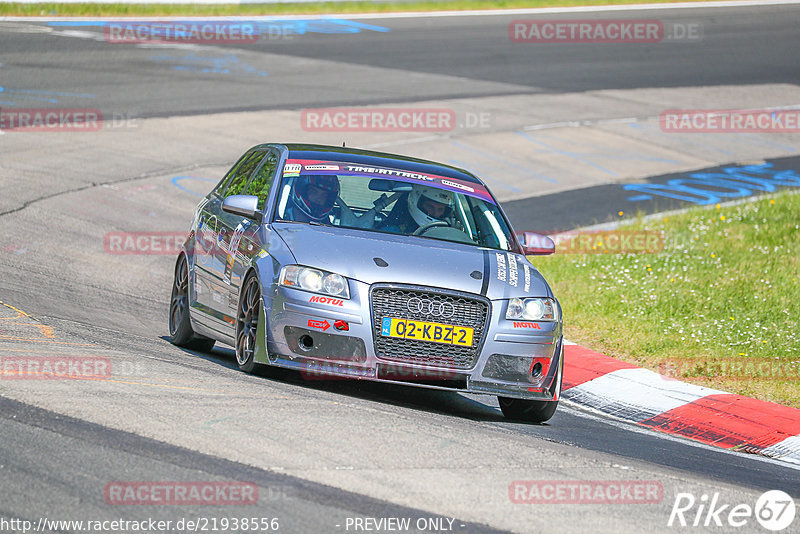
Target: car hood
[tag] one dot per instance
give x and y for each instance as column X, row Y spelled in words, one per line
column 359, row 254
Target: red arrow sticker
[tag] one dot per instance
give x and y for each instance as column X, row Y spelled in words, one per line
column 324, row 325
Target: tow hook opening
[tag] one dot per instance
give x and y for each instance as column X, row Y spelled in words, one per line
column 306, row 342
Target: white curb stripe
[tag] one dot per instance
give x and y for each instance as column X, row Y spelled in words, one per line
column 636, row 394
column 787, row 450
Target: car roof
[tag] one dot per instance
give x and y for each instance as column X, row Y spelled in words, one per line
column 377, row 159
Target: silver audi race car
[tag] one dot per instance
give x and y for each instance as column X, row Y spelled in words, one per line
column 346, row 263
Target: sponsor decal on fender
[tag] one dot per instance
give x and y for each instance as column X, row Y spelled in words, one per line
column 527, row 277
column 501, row 266
column 327, row 300
column 525, row 324
column 512, row 270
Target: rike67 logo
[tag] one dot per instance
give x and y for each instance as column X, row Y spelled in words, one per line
column 774, row 510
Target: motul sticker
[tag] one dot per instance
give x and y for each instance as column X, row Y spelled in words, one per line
column 524, row 324
column 327, row 300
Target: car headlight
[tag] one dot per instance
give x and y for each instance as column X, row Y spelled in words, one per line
column 315, row 280
column 532, row 309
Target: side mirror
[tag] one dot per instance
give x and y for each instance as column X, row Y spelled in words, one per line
column 242, row 205
column 534, row 244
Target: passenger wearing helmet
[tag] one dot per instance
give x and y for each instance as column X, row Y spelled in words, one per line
column 424, row 205
column 312, row 198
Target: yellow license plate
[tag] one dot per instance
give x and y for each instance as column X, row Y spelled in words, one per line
column 424, row 331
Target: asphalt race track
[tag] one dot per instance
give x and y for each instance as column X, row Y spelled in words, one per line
column 401, row 59
column 543, row 123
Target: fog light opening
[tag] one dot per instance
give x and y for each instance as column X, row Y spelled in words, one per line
column 305, row 342
column 536, row 370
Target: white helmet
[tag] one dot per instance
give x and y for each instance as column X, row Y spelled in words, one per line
column 420, row 194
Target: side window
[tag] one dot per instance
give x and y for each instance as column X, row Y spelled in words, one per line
column 219, row 189
column 262, row 180
column 243, row 172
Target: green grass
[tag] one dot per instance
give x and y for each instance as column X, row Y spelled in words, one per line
column 719, row 306
column 311, row 8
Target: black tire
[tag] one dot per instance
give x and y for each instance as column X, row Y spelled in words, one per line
column 247, row 317
column 200, row 344
column 180, row 327
column 527, row 410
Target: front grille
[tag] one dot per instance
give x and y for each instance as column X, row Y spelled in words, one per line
column 466, row 311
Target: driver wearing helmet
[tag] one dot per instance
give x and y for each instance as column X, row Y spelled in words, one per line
column 312, row 198
column 424, row 205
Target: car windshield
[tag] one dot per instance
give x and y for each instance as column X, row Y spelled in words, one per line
column 392, row 201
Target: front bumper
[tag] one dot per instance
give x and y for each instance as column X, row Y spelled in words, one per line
column 335, row 339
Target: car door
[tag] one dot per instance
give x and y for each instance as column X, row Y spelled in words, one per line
column 211, row 291
column 236, row 237
column 205, row 246
column 203, row 254
column 242, row 240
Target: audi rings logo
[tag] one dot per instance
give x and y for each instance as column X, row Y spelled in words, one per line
column 435, row 308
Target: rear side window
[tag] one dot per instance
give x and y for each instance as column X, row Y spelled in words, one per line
column 262, row 180
column 220, row 187
column 242, row 172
